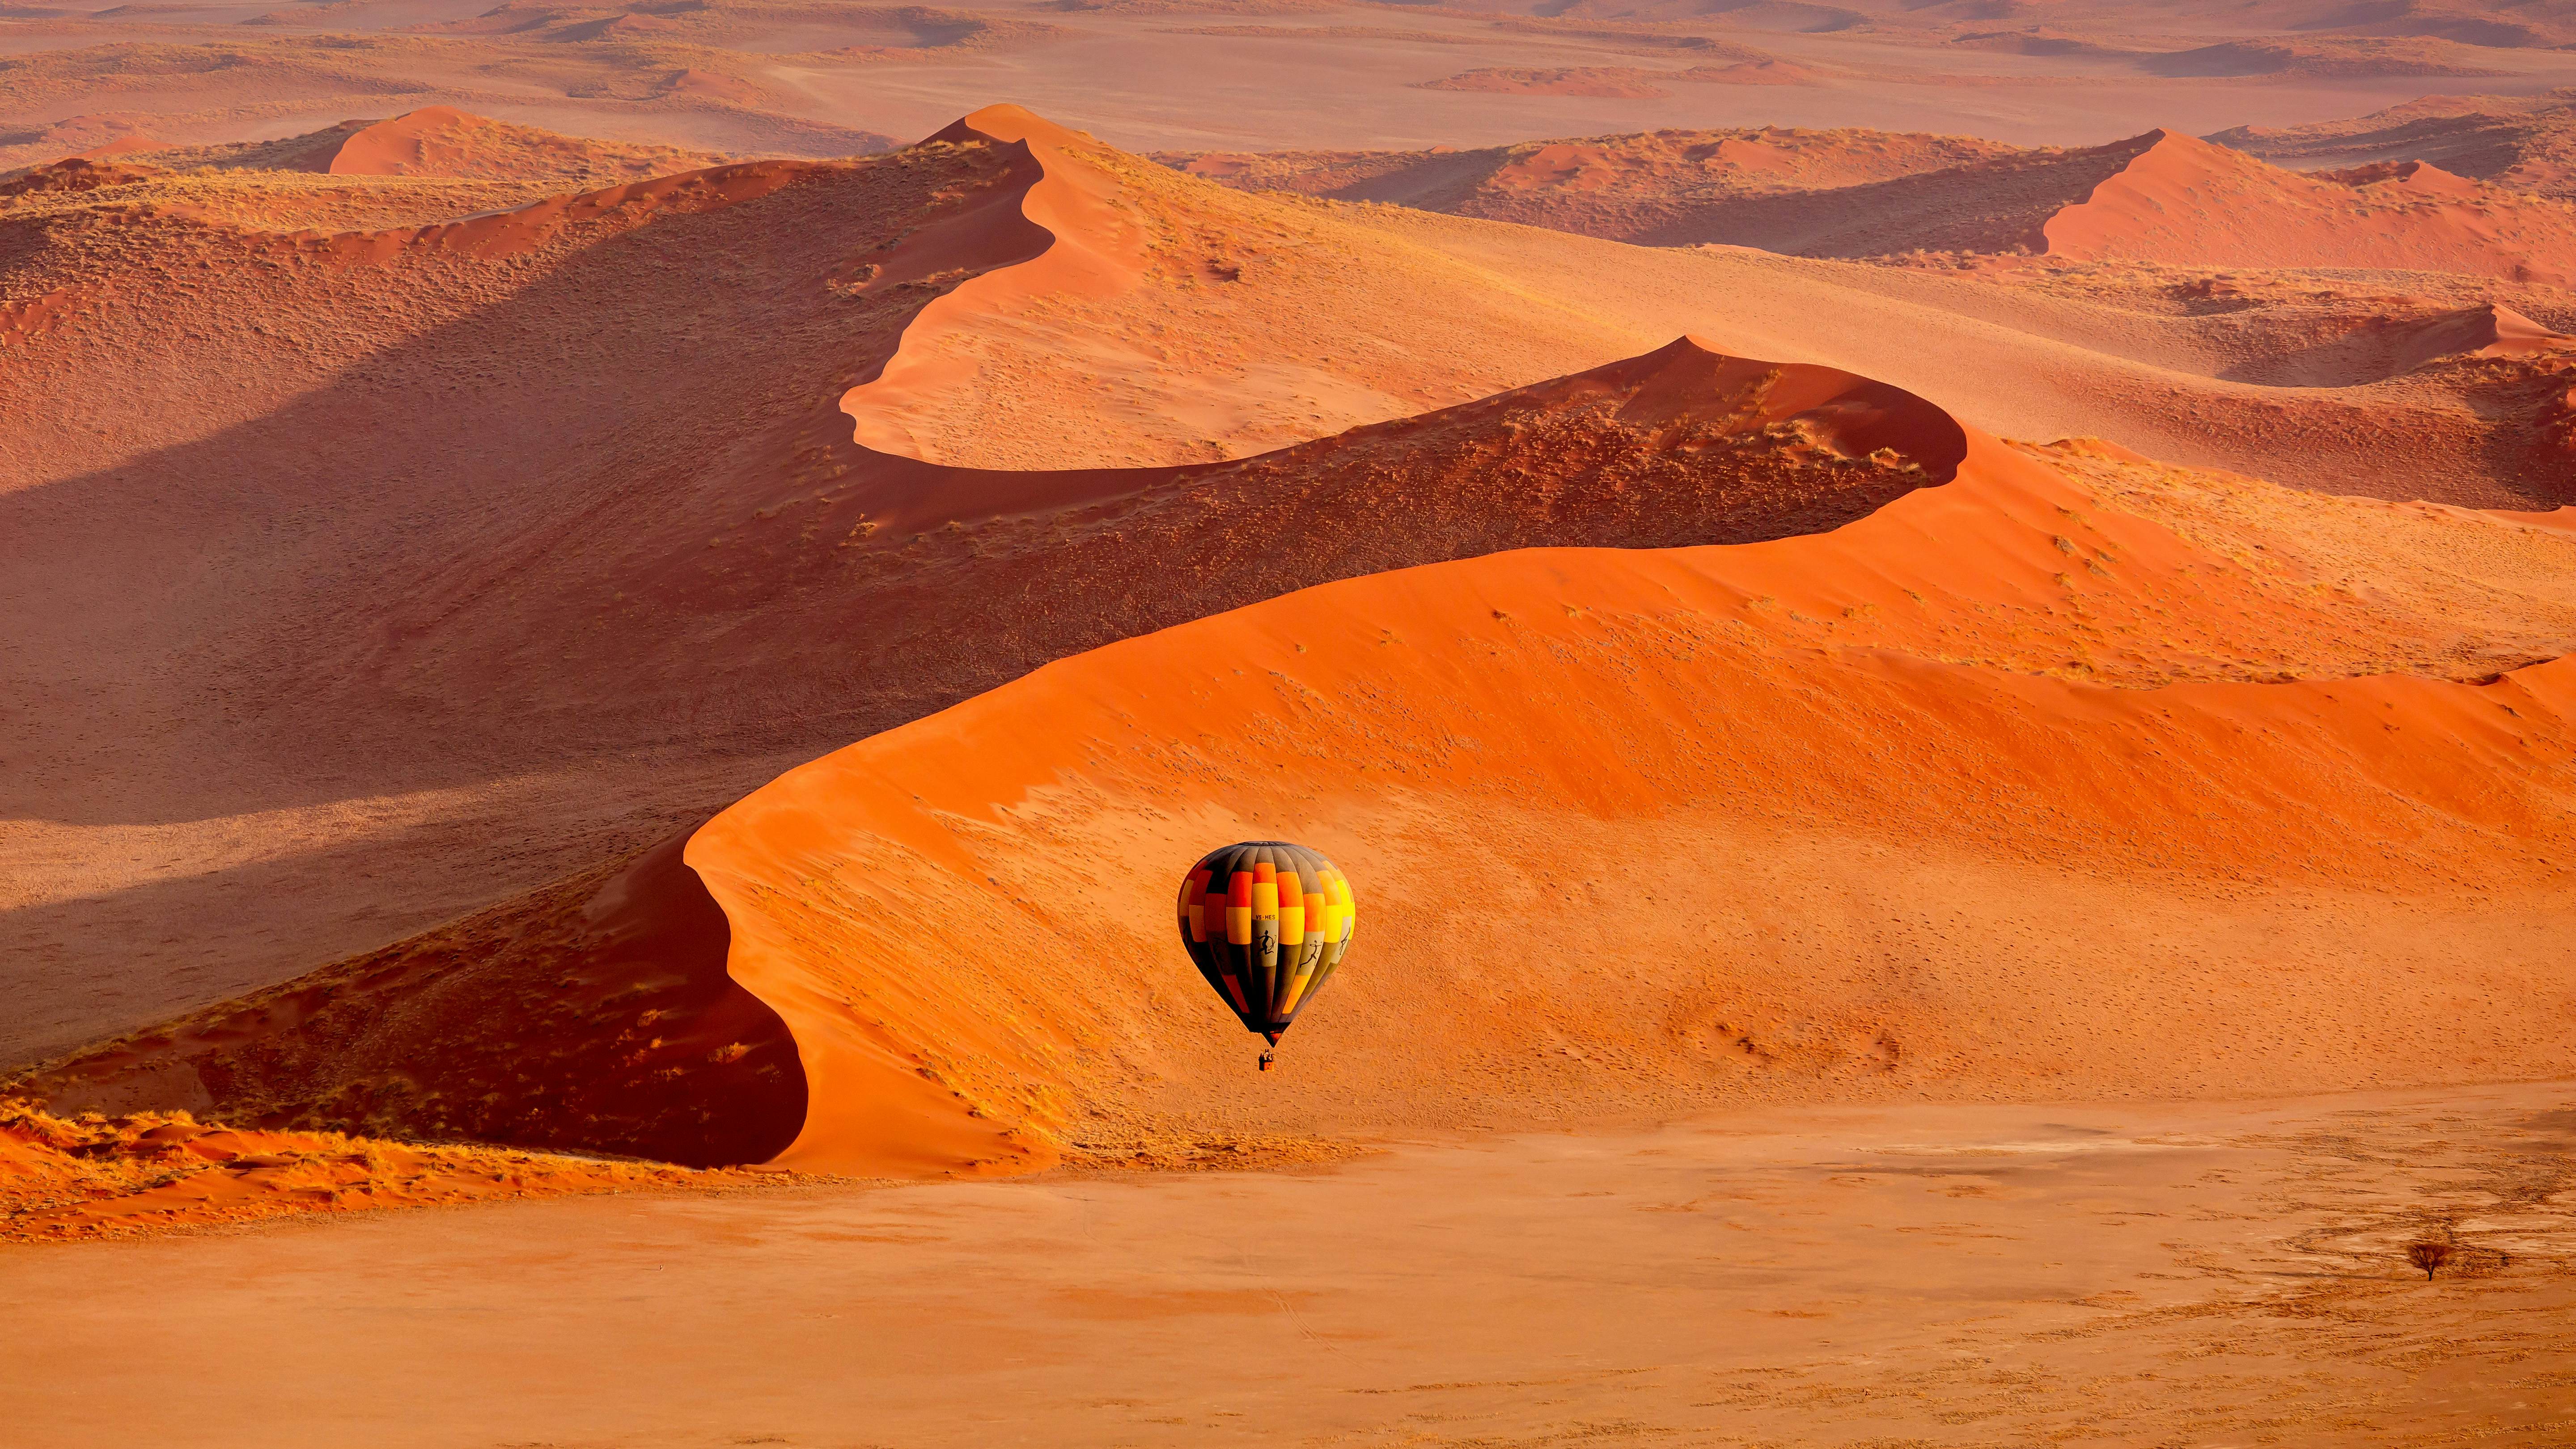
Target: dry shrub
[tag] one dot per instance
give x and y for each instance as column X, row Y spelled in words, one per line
column 2429, row 1254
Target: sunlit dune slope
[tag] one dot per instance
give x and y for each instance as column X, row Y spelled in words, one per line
column 598, row 1014
column 1643, row 831
column 2187, row 201
column 1169, row 320
column 446, row 142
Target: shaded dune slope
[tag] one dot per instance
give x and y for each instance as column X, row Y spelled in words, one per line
column 597, row 1013
column 594, row 1014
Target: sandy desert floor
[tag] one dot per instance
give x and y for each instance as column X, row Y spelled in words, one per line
column 2128, row 1274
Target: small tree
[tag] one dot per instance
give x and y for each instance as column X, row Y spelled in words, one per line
column 2428, row 1254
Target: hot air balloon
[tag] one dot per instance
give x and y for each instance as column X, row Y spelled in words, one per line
column 1267, row 922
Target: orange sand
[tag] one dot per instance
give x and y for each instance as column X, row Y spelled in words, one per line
column 1953, row 1276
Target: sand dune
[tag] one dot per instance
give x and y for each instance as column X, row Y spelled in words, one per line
column 647, row 1048
column 1627, row 188
column 444, row 141
column 1229, row 332
column 429, row 165
column 2160, row 197
column 2269, row 369
column 882, row 897
column 1733, row 706
column 2187, row 201
column 568, row 699
column 1159, row 319
column 589, row 604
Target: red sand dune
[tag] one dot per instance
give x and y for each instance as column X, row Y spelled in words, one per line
column 2489, row 331
column 1154, row 319
column 2161, row 197
column 433, row 164
column 74, row 174
column 1835, row 193
column 1622, row 187
column 2187, row 201
column 2450, row 347
column 444, row 141
column 1566, row 730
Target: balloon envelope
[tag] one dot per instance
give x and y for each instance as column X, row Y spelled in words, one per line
column 1267, row 922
